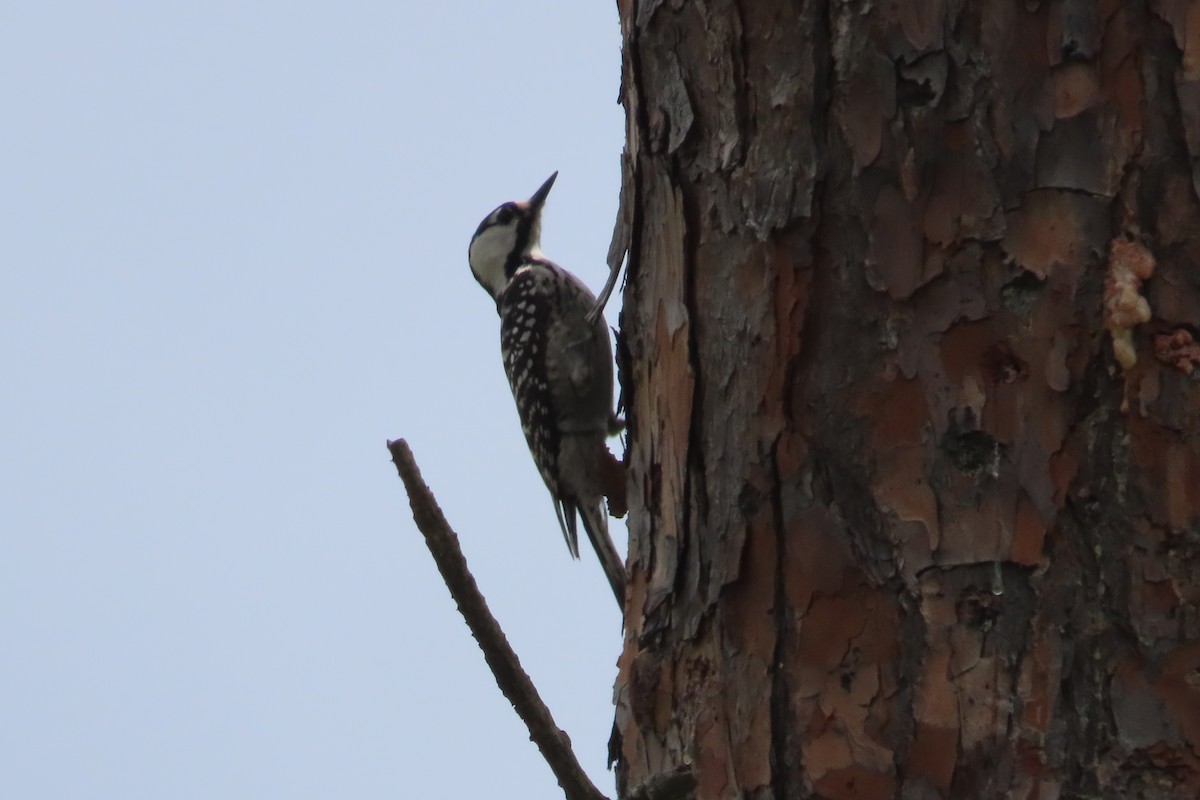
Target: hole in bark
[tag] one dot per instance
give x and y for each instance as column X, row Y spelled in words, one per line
column 972, row 451
column 977, row 608
column 915, row 93
column 1020, row 294
column 922, row 82
column 749, row 499
column 1002, row 365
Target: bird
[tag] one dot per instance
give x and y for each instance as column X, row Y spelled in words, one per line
column 558, row 360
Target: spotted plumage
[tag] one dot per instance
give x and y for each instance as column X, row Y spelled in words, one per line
column 559, row 367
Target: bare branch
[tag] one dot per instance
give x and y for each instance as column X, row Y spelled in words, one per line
column 512, row 680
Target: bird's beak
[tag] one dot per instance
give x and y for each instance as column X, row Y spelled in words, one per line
column 539, row 197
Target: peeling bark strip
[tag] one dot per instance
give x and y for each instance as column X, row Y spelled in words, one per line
column 911, row 323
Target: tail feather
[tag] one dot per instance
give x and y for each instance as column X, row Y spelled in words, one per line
column 595, row 522
column 566, row 521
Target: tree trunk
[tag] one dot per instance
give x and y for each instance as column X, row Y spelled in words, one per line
column 914, row 460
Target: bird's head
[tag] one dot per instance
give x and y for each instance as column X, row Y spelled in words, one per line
column 507, row 237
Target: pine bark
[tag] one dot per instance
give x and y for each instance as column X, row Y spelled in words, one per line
column 909, row 358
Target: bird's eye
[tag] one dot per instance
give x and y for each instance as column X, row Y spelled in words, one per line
column 504, row 215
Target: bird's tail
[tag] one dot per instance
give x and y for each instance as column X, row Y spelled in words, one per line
column 595, row 522
column 566, row 520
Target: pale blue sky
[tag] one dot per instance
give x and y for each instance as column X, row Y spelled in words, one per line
column 232, row 264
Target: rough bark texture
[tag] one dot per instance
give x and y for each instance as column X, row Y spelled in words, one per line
column 909, row 351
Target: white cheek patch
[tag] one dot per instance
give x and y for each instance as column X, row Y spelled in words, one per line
column 488, row 253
